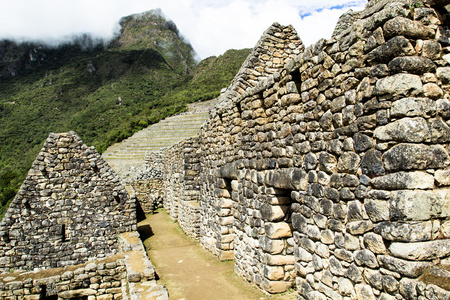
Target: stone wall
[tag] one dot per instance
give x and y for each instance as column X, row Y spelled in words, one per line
column 173, row 181
column 149, row 194
column 127, row 275
column 148, row 184
column 70, row 208
column 182, row 186
column 96, row 280
column 333, row 172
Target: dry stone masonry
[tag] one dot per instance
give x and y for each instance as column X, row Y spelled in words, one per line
column 70, row 209
column 127, row 275
column 148, row 183
column 331, row 172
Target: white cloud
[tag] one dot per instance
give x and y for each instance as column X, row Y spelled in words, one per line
column 212, row 27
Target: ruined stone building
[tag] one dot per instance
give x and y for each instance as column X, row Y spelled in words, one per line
column 327, row 168
column 70, row 209
column 69, row 216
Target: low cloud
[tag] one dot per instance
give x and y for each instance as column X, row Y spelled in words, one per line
column 211, row 27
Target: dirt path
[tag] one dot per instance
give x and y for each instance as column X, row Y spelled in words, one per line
column 189, row 271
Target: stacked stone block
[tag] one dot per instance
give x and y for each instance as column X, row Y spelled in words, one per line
column 96, row 280
column 181, row 185
column 277, row 45
column 333, row 171
column 173, row 181
column 70, row 208
column 149, row 193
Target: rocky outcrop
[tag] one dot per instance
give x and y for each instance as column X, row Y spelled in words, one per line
column 331, row 173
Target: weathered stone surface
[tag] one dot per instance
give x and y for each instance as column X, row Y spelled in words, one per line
column 292, row 178
column 414, row 156
column 278, row 230
column 133, row 277
column 419, row 205
column 371, row 164
column 366, row 257
column 443, row 74
column 399, row 85
column 77, row 293
column 374, row 243
column 230, row 171
column 377, row 210
column 413, row 130
column 362, row 142
column 327, row 162
column 442, row 177
column 364, row 292
column 439, row 131
column 411, row 107
column 411, row 64
column 273, row 212
column 421, row 251
column 404, row 267
column 359, row 227
column 404, row 180
column 404, row 232
column 348, row 163
column 396, row 46
column 431, row 49
column 408, row 28
column 432, row 91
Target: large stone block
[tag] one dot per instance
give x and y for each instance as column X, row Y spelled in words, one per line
column 406, row 268
column 271, row 246
column 412, row 130
column 348, row 162
column 443, row 74
column 290, row 178
column 404, row 180
column 77, row 293
column 273, row 212
column 278, row 230
column 405, row 232
column 421, row 251
column 399, row 85
column 397, row 46
column 408, row 28
column 411, row 107
column 419, row 205
column 411, row 64
column 275, row 287
column 230, row 171
column 415, row 156
column 279, row 260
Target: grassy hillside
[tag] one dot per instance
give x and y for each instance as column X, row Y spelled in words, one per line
column 104, row 93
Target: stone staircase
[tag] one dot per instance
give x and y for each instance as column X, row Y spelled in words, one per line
column 130, row 153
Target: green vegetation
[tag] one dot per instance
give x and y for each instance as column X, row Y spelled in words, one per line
column 105, row 94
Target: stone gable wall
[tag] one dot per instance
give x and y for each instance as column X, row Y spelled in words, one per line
column 333, row 172
column 70, row 208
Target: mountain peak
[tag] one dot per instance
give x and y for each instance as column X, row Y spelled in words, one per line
column 152, row 30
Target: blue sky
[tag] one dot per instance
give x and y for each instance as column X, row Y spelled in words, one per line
column 212, row 27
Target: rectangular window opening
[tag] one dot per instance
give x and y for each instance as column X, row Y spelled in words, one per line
column 43, row 295
column 63, row 233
